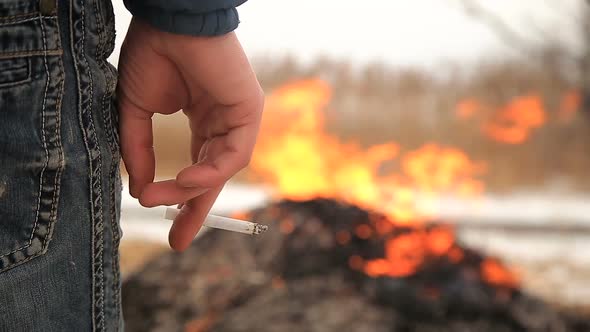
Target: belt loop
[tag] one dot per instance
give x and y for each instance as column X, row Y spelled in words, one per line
column 47, row 7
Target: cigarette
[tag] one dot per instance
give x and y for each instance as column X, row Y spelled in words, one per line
column 228, row 224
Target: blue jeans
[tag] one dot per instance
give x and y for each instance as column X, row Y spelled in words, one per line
column 60, row 187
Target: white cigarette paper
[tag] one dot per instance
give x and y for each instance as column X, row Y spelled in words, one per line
column 228, row 224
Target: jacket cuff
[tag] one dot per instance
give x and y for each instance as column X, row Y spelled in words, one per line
column 213, row 23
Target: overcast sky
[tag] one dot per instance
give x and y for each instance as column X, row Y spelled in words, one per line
column 419, row 33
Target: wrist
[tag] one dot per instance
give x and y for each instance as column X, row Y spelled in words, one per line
column 210, row 23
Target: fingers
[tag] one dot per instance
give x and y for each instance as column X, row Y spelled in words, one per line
column 167, row 193
column 137, row 146
column 210, row 174
column 190, row 219
column 196, row 180
column 221, row 158
column 165, row 80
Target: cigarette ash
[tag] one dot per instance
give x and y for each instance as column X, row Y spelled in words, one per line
column 327, row 266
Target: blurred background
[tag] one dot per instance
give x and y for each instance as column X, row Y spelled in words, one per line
column 467, row 113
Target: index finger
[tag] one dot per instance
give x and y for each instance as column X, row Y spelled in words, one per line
column 231, row 153
column 190, row 219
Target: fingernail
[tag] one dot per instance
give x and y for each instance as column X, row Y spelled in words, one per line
column 185, row 184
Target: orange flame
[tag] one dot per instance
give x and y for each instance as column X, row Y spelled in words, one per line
column 435, row 169
column 440, row 240
column 405, row 253
column 513, row 123
column 496, row 274
column 570, row 104
column 302, row 161
column 295, row 154
column 467, row 108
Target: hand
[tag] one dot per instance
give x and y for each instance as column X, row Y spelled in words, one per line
column 211, row 80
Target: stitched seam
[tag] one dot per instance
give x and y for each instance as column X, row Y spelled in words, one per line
column 58, row 170
column 114, row 169
column 45, row 51
column 4, row 55
column 77, row 49
column 99, row 26
column 43, row 139
column 37, row 52
column 114, row 226
column 19, row 16
column 75, row 53
column 98, row 273
column 43, row 136
column 61, row 160
column 13, row 22
column 15, row 83
column 108, row 75
column 101, row 317
column 115, row 243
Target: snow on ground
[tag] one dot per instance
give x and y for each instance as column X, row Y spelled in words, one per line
column 524, row 207
column 531, row 209
column 519, row 208
column 553, row 265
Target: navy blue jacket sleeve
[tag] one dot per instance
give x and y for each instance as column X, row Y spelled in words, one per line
column 189, row 17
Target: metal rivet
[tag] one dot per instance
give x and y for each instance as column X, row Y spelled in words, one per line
column 47, row 7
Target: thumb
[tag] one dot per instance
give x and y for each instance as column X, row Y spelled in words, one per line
column 137, row 145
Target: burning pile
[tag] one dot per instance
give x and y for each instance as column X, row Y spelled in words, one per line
column 327, row 266
column 369, row 257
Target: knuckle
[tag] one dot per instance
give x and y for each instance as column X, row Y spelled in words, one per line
column 242, row 161
column 256, row 97
column 260, row 97
column 245, row 161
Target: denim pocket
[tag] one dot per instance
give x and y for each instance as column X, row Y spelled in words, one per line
column 14, row 71
column 31, row 156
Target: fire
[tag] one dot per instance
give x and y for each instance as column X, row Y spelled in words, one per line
column 295, row 154
column 427, row 173
column 355, row 262
column 363, row 231
column 570, row 104
column 440, row 241
column 405, row 253
column 495, row 273
column 435, row 169
column 513, row 123
column 467, row 108
column 343, row 237
column 287, row 226
column 302, row 161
